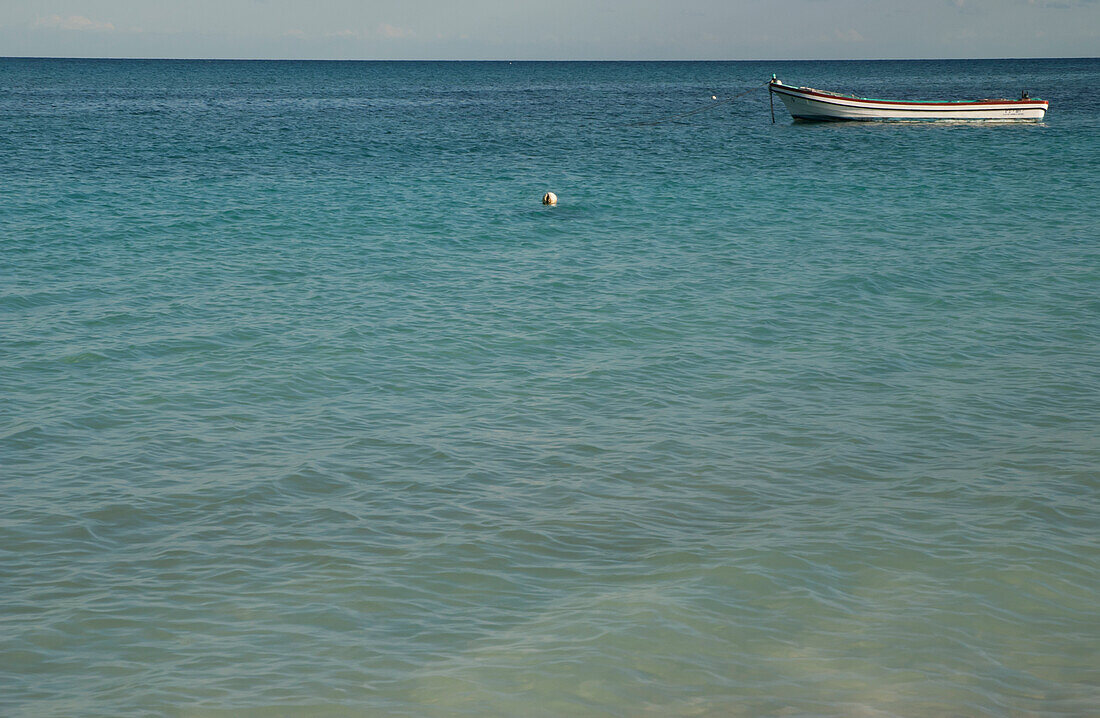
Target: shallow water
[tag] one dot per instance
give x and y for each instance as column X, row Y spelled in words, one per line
column 310, row 408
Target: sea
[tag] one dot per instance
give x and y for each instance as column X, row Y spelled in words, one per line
column 310, row 407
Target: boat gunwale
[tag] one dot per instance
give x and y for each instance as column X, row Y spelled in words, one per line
column 823, row 95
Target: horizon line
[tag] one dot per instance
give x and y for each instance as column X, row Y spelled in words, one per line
column 513, row 60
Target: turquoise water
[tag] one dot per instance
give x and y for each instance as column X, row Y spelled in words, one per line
column 309, row 407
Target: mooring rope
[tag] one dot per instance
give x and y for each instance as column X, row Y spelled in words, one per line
column 682, row 115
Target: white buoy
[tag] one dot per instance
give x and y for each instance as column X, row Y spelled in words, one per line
column 549, row 198
column 714, row 97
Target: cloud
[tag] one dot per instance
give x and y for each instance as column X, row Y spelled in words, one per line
column 851, row 35
column 1061, row 4
column 387, row 30
column 73, row 22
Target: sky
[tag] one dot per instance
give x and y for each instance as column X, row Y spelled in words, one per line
column 551, row 29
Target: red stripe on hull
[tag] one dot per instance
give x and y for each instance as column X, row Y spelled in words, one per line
column 818, row 96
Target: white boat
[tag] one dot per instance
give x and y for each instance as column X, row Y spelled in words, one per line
column 806, row 103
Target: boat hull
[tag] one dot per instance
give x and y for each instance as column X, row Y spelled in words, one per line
column 807, row 104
